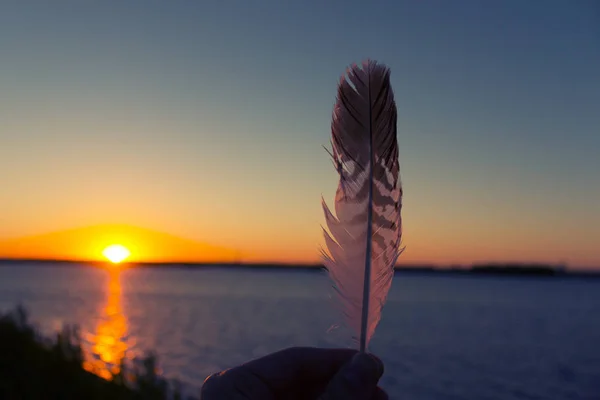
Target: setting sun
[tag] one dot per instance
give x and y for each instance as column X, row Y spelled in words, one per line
column 116, row 253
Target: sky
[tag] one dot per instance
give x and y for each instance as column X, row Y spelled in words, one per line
column 206, row 121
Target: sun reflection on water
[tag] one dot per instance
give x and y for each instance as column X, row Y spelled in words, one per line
column 109, row 344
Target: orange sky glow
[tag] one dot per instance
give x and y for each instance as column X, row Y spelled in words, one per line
column 145, row 245
column 88, row 244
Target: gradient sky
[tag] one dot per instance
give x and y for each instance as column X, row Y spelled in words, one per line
column 205, row 119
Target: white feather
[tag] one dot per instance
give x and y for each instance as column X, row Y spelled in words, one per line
column 363, row 242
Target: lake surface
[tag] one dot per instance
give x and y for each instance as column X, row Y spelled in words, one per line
column 441, row 337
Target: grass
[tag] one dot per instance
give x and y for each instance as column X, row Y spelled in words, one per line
column 36, row 367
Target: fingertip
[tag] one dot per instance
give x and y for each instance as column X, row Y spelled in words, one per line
column 357, row 379
column 211, row 386
column 380, row 394
column 368, row 363
column 379, row 363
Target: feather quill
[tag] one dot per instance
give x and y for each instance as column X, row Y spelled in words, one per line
column 365, row 233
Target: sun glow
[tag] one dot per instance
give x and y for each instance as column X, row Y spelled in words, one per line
column 116, row 253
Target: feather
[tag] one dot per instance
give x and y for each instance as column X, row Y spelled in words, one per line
column 364, row 235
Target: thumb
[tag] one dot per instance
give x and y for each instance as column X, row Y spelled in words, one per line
column 356, row 380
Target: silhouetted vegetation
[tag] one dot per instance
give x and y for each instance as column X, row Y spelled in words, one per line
column 517, row 269
column 423, row 269
column 34, row 367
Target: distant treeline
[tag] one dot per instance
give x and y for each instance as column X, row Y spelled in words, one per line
column 518, row 269
column 533, row 269
column 525, row 269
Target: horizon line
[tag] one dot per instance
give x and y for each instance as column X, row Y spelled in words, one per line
column 556, row 268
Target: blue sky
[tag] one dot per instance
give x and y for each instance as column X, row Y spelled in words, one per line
column 206, row 119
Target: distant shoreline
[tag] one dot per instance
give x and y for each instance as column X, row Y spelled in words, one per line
column 496, row 269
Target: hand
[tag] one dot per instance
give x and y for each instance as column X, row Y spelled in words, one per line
column 300, row 373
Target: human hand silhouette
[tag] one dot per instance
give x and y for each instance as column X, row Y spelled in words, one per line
column 300, row 373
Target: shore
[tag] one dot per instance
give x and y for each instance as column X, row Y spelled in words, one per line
column 508, row 269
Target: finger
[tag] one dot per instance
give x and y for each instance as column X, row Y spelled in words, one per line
column 299, row 366
column 356, row 380
column 380, row 394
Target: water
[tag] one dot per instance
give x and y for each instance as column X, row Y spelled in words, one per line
column 441, row 337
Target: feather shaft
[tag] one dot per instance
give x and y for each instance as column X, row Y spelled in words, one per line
column 367, row 279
